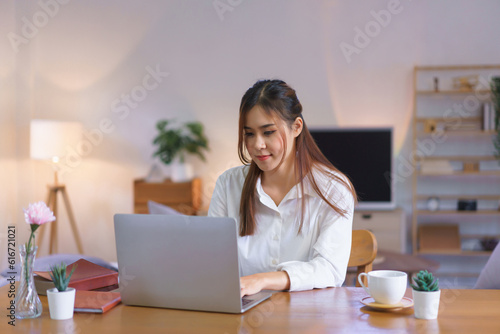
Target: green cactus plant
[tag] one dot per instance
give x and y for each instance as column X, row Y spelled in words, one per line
column 425, row 281
column 58, row 275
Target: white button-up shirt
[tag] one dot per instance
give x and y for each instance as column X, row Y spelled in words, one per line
column 315, row 258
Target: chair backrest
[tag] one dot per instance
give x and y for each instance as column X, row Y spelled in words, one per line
column 363, row 252
column 490, row 275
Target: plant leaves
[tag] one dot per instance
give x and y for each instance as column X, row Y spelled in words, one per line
column 425, row 281
column 173, row 143
column 161, row 125
column 58, row 275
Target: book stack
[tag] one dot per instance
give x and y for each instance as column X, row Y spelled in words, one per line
column 92, row 283
column 488, row 117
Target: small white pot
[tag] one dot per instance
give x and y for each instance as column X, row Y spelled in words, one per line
column 181, row 172
column 61, row 304
column 426, row 304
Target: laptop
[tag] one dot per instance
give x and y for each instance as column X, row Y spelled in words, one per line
column 180, row 262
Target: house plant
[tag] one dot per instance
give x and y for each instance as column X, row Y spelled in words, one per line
column 426, row 295
column 174, row 143
column 27, row 302
column 61, row 298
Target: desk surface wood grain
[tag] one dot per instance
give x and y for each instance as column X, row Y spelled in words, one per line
column 334, row 310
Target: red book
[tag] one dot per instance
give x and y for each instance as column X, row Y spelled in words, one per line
column 96, row 301
column 87, row 276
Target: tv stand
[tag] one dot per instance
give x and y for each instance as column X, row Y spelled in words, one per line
column 388, row 226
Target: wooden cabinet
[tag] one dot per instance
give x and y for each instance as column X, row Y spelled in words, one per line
column 453, row 161
column 387, row 226
column 184, row 197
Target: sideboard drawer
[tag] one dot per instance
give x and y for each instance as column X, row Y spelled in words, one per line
column 388, row 226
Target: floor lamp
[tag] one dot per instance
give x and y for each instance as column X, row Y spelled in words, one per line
column 49, row 141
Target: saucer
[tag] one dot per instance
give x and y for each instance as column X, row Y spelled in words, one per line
column 404, row 303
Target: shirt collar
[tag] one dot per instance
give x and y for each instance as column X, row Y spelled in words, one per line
column 294, row 193
column 263, row 197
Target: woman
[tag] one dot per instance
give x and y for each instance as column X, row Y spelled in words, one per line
column 293, row 207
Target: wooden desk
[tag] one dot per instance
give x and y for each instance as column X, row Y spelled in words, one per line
column 334, row 310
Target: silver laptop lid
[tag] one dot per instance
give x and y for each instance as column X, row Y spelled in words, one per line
column 182, row 262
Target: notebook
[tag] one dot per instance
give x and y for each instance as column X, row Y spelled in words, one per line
column 95, row 301
column 181, row 262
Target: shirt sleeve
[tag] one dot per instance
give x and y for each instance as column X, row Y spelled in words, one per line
column 218, row 202
column 331, row 251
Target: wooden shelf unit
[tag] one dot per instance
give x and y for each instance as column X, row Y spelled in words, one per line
column 184, row 197
column 452, row 92
column 429, row 120
column 476, row 236
column 458, row 133
column 435, row 68
column 459, row 253
column 441, row 119
column 448, row 197
column 460, row 157
column 460, row 173
column 456, row 212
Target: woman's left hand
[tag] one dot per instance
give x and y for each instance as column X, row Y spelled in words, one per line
column 251, row 284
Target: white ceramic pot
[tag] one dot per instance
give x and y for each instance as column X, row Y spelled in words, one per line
column 181, row 172
column 426, row 304
column 61, row 304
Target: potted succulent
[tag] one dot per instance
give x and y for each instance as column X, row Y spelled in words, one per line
column 426, row 295
column 175, row 143
column 61, row 298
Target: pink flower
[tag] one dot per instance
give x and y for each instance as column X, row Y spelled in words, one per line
column 38, row 214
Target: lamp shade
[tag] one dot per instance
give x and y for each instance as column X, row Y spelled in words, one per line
column 49, row 139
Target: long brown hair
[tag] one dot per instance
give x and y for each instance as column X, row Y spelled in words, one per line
column 280, row 101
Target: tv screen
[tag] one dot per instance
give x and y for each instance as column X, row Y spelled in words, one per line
column 365, row 156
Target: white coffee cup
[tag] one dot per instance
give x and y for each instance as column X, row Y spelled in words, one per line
column 385, row 286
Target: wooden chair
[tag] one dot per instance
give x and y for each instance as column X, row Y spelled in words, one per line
column 490, row 275
column 363, row 252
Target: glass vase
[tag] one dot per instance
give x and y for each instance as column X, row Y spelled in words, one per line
column 27, row 302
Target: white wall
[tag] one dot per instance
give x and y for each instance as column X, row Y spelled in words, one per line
column 90, row 54
column 9, row 216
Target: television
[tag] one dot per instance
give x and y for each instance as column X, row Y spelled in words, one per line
column 365, row 156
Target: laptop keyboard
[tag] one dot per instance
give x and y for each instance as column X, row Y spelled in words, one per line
column 246, row 301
